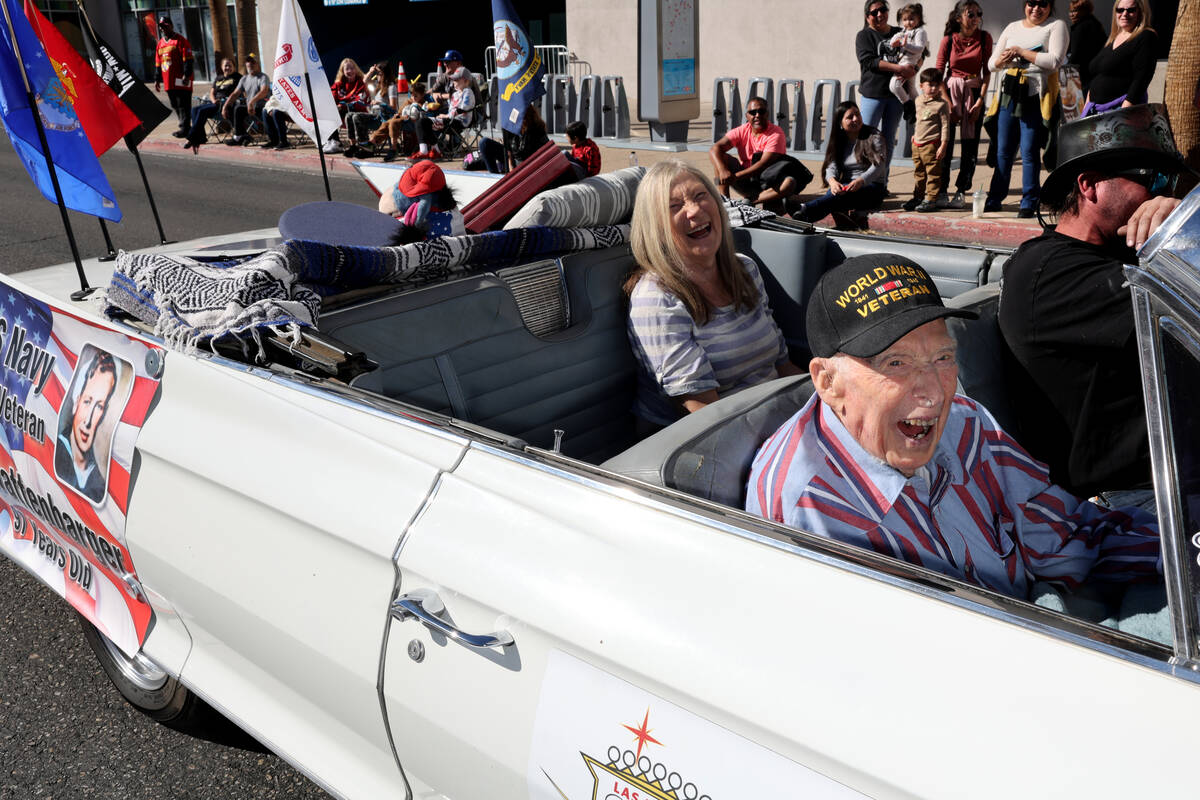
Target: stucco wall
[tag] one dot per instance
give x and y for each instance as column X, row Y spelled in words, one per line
column 807, row 39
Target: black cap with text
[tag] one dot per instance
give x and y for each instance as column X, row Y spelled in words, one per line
column 866, row 303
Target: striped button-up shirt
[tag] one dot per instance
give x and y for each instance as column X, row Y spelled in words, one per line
column 734, row 350
column 982, row 510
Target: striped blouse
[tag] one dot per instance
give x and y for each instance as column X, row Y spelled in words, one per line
column 982, row 510
column 734, row 350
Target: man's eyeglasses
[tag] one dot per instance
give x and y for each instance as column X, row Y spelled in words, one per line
column 1038, row 3
column 876, row 12
column 756, row 111
column 1155, row 181
column 1131, row 10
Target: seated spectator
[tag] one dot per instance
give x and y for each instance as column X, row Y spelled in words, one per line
column 275, row 124
column 699, row 320
column 246, row 100
column 887, row 457
column 222, row 86
column 763, row 172
column 855, row 169
column 350, row 93
column 382, row 97
column 442, row 88
column 584, row 155
column 462, row 102
column 533, row 136
column 412, row 119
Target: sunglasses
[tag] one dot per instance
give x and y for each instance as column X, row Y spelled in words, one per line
column 756, row 111
column 974, row 15
column 1155, row 181
column 1130, row 11
column 875, row 12
column 1038, row 3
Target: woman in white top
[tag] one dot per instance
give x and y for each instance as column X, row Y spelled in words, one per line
column 1027, row 55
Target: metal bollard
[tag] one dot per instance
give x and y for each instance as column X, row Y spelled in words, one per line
column 562, row 103
column 764, row 88
column 493, row 106
column 615, row 112
column 819, row 130
column 587, row 106
column 724, row 110
column 852, row 91
column 783, row 106
column 800, row 121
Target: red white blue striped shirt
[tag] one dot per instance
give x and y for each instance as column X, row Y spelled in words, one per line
column 982, row 510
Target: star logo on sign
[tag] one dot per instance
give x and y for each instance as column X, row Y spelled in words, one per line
column 642, row 734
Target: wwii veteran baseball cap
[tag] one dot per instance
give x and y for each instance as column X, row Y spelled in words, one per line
column 1131, row 138
column 866, row 303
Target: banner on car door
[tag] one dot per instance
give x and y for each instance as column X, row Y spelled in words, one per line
column 73, row 397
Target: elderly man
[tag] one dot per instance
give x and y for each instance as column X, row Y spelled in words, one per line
column 1065, row 313
column 763, row 172
column 885, row 455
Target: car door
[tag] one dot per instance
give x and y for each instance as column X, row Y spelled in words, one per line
column 648, row 646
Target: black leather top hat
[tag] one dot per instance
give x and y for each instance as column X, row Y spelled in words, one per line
column 1126, row 138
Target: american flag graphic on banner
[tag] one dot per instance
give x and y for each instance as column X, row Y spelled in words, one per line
column 73, row 397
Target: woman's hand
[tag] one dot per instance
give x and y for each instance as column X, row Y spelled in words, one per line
column 854, row 185
column 975, row 109
column 694, row 402
column 835, row 185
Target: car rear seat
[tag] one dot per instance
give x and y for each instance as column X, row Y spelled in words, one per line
column 981, row 353
column 708, row 453
column 954, row 269
column 462, row 349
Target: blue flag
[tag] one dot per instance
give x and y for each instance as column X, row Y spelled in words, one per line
column 518, row 65
column 83, row 184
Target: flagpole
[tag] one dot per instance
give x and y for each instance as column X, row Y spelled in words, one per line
column 84, row 288
column 162, row 237
column 107, row 242
column 312, row 103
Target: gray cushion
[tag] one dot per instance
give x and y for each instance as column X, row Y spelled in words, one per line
column 599, row 200
column 981, row 352
column 708, row 454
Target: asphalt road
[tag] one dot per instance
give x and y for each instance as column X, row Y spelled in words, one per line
column 65, row 732
column 195, row 197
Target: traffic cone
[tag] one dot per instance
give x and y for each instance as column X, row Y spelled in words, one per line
column 401, row 78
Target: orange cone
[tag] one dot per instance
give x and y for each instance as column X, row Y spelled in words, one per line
column 401, row 78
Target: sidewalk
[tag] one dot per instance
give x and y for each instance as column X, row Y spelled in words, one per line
column 1000, row 228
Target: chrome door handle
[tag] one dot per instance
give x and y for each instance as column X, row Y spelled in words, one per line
column 425, row 605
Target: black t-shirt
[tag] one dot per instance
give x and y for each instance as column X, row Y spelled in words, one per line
column 1087, row 38
column 1072, row 367
column 223, row 85
column 873, row 81
column 1126, row 70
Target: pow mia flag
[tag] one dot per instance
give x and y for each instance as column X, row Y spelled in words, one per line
column 132, row 92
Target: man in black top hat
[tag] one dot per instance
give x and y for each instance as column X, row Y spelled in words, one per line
column 1066, row 316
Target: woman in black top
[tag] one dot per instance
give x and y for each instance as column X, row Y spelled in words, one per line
column 880, row 108
column 1121, row 72
column 1087, row 39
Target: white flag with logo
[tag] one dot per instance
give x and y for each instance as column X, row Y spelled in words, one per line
column 295, row 56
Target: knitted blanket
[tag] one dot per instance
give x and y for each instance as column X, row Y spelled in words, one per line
column 193, row 301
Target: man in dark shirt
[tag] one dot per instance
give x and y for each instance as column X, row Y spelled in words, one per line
column 1066, row 316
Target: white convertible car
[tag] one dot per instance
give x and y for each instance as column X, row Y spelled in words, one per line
column 417, row 551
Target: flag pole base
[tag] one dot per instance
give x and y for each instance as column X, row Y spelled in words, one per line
column 83, row 294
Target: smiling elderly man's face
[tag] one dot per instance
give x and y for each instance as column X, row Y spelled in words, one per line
column 894, row 404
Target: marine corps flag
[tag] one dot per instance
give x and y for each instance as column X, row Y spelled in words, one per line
column 518, row 65
column 124, row 84
column 105, row 119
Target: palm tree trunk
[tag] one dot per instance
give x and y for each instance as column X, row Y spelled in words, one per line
column 247, row 18
column 218, row 12
column 1183, row 83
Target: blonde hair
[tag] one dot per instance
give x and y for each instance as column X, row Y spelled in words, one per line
column 341, row 73
column 1143, row 21
column 653, row 241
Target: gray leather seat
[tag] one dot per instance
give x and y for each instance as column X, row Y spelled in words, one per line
column 462, row 349
column 708, row 454
column 981, row 352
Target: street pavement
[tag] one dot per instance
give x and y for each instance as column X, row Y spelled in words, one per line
column 1000, row 228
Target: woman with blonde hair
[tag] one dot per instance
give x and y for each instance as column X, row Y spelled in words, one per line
column 1122, row 70
column 699, row 320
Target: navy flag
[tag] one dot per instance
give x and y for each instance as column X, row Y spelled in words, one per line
column 518, row 65
column 84, row 186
